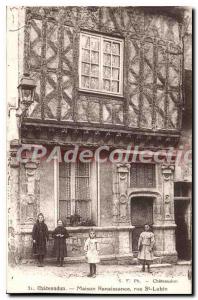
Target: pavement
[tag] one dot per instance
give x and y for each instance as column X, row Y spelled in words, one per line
column 110, row 279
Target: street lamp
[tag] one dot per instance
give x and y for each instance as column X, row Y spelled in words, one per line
column 26, row 90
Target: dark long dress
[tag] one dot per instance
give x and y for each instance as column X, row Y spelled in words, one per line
column 60, row 248
column 40, row 235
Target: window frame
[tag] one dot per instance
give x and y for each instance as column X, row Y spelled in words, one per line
column 102, row 37
column 72, row 181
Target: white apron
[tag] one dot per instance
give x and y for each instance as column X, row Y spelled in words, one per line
column 91, row 249
column 145, row 246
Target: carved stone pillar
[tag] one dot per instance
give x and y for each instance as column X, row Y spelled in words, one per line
column 13, row 185
column 29, row 198
column 168, row 193
column 115, row 197
column 169, row 226
column 122, row 209
column 123, row 174
column 13, row 202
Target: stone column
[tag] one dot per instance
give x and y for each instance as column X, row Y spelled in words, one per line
column 29, row 198
column 13, row 204
column 123, row 177
column 168, row 193
column 115, row 197
column 122, row 208
column 168, row 213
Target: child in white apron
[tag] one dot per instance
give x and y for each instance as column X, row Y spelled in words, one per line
column 145, row 248
column 91, row 253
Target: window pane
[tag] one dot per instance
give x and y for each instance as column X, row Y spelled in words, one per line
column 83, row 209
column 64, row 182
column 82, row 188
column 85, row 55
column 116, row 48
column 115, row 61
column 85, row 69
column 65, row 211
column 107, row 60
column 107, row 47
column 85, row 81
column 82, row 169
column 95, row 70
column 64, row 169
column 94, row 57
column 85, row 41
column 94, row 83
column 106, row 85
column 106, row 72
column 115, row 73
column 82, row 181
column 94, row 44
column 64, row 189
column 115, row 86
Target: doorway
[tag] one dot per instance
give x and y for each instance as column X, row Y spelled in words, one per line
column 141, row 214
column 183, row 243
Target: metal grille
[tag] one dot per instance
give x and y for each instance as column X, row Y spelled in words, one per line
column 142, row 175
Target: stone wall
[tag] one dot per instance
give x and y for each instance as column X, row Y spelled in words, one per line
column 107, row 239
column 47, row 195
column 106, row 194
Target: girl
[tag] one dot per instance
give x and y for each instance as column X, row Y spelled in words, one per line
column 91, row 250
column 145, row 247
column 60, row 234
column 40, row 235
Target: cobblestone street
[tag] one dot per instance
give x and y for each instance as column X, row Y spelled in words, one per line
column 72, row 278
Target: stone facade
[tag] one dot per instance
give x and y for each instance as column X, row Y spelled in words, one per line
column 148, row 114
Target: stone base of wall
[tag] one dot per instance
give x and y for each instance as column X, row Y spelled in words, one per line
column 171, row 259
column 109, row 241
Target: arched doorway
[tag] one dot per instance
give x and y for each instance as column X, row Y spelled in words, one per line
column 141, row 214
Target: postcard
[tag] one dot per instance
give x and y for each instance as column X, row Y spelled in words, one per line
column 99, row 173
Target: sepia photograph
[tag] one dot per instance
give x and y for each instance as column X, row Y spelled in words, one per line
column 99, row 150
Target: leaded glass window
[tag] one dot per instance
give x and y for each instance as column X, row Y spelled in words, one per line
column 101, row 64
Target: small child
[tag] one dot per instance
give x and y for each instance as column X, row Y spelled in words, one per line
column 60, row 234
column 91, row 250
column 145, row 248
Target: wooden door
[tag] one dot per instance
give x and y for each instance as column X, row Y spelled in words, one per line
column 141, row 214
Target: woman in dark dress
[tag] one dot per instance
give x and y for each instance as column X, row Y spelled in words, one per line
column 60, row 250
column 40, row 235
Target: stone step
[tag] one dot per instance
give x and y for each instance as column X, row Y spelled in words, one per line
column 184, row 262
